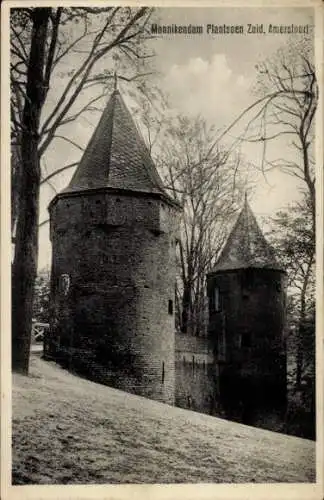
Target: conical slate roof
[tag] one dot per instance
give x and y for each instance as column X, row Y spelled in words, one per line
column 116, row 156
column 246, row 246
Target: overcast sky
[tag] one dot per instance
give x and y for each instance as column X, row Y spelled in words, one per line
column 205, row 74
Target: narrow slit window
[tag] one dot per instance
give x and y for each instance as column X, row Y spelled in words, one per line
column 217, row 300
column 246, row 339
column 163, row 372
column 170, row 307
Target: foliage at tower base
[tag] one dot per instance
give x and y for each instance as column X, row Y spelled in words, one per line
column 294, row 239
column 41, row 308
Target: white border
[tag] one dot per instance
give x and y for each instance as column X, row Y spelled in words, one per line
column 136, row 492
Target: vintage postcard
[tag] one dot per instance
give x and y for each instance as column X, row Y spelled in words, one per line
column 162, row 250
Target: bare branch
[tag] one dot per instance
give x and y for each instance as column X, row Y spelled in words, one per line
column 85, row 70
column 69, row 140
column 58, row 171
column 52, row 48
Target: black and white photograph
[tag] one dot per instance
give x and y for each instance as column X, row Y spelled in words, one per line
column 161, row 289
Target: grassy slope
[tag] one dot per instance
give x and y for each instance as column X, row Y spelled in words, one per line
column 67, row 430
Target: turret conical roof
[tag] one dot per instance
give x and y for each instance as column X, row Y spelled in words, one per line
column 116, row 156
column 246, row 246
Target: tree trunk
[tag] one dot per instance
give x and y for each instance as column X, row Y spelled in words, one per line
column 299, row 358
column 15, row 187
column 26, row 249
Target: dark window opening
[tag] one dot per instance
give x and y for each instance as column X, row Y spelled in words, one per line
column 278, row 286
column 246, row 340
column 163, row 372
column 216, row 300
column 170, row 307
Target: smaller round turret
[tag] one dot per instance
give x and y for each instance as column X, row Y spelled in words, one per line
column 246, row 291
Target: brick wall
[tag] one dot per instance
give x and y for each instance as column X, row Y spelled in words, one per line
column 251, row 318
column 195, row 374
column 252, row 314
column 119, row 251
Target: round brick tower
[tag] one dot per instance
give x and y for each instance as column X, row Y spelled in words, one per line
column 113, row 233
column 246, row 291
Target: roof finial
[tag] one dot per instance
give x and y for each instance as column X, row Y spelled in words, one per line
column 115, row 80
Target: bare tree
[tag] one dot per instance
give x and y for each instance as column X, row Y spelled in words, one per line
column 201, row 176
column 40, row 40
column 80, row 46
column 285, row 110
